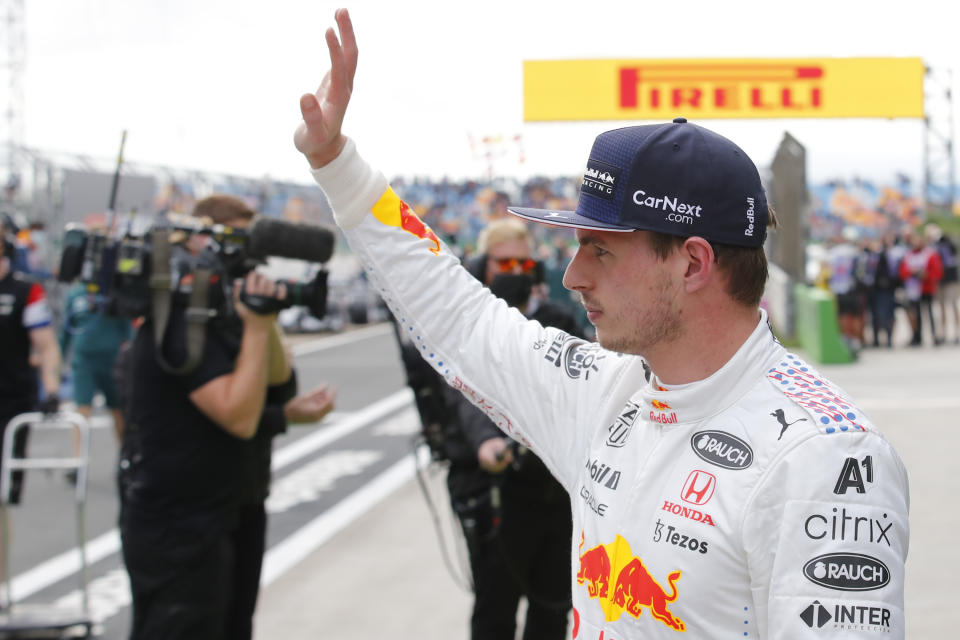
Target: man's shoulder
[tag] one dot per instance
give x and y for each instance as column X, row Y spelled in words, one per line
column 794, row 403
column 15, row 283
column 829, row 408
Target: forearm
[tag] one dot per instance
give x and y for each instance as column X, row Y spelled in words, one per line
column 247, row 391
column 44, row 343
column 278, row 365
column 50, row 368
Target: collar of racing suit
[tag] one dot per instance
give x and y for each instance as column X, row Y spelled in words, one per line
column 696, row 401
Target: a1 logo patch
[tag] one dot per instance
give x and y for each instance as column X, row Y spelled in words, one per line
column 856, row 475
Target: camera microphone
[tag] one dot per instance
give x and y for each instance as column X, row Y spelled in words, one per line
column 272, row 237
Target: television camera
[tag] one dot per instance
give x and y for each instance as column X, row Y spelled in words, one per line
column 153, row 274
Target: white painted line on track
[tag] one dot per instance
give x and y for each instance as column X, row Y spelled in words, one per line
column 59, row 567
column 342, row 339
column 294, row 548
column 321, row 437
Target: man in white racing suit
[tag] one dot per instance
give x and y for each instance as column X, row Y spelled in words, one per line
column 719, row 486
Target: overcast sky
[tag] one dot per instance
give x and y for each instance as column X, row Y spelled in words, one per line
column 214, row 84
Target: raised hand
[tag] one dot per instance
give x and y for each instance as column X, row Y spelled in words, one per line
column 318, row 136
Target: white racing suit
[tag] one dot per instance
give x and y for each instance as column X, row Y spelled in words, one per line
column 757, row 503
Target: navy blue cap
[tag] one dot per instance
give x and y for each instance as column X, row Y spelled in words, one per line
column 675, row 178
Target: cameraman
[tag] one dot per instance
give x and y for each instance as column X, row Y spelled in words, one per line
column 195, row 462
column 181, row 470
column 282, row 407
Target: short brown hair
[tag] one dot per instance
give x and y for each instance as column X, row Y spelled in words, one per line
column 223, row 209
column 745, row 267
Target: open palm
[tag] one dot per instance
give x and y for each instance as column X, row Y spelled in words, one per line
column 318, row 136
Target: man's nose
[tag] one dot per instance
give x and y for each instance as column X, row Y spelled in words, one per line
column 573, row 277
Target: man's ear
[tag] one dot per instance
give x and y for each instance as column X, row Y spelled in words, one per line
column 700, row 264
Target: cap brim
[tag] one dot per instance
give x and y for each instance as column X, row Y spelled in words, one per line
column 565, row 219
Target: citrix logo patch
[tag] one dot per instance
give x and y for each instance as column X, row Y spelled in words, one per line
column 847, row 528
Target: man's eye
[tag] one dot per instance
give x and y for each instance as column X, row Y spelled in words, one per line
column 599, row 251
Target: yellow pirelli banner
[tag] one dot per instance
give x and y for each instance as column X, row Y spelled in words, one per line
column 722, row 88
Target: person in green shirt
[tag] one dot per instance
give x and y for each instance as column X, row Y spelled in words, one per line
column 93, row 339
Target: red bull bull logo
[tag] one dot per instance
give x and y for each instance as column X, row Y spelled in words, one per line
column 394, row 212
column 662, row 417
column 634, row 588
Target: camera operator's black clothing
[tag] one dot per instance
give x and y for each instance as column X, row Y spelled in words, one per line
column 179, row 477
column 520, row 547
column 249, row 537
column 192, row 519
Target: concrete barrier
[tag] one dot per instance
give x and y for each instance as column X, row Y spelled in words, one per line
column 817, row 328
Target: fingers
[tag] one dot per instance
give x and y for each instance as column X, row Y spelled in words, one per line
column 348, row 41
column 310, row 110
column 333, row 46
column 259, row 285
column 319, row 137
column 324, row 394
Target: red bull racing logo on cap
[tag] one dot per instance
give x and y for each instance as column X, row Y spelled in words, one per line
column 394, row 212
column 622, row 582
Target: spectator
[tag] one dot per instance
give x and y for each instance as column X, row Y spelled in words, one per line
column 842, row 260
column 920, row 271
column 881, row 277
column 90, row 339
column 26, row 333
column 949, row 290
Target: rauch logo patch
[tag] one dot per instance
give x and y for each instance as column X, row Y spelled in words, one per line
column 722, row 449
column 847, row 572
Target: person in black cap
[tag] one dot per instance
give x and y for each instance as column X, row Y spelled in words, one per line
column 719, row 485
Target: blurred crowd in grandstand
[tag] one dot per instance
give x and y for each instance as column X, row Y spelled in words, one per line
column 848, row 223
column 874, row 248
